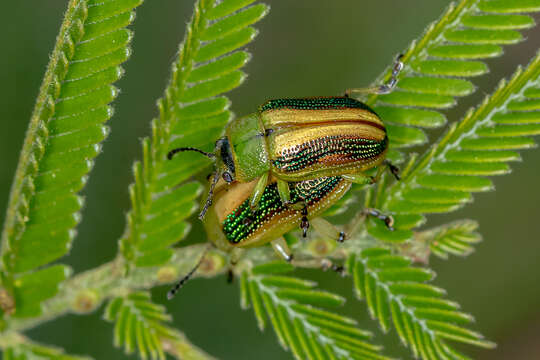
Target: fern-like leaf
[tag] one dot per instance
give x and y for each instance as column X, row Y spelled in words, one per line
column 436, row 66
column 399, row 294
column 63, row 137
column 457, row 238
column 28, row 350
column 294, row 310
column 480, row 145
column 141, row 325
column 436, row 72
column 193, row 113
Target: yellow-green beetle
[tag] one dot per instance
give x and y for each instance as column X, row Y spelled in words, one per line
column 291, row 140
column 231, row 223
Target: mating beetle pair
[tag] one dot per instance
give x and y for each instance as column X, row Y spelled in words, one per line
column 298, row 139
column 292, row 159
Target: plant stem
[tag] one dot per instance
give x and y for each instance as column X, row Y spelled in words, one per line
column 107, row 281
column 110, row 280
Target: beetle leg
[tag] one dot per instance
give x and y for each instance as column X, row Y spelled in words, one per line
column 326, row 229
column 363, row 179
column 384, row 88
column 393, row 169
column 258, row 191
column 388, row 219
column 380, row 170
column 304, row 223
column 208, row 201
column 329, row 265
column 280, row 246
column 284, row 192
column 359, row 178
column 236, row 254
column 230, row 276
column 302, row 207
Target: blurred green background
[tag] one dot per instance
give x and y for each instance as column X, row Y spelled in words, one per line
column 305, row 48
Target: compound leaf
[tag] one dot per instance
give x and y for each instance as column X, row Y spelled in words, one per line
column 63, row 138
column 295, row 310
column 399, row 294
column 141, row 326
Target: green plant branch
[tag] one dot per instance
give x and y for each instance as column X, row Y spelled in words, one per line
column 417, row 51
column 497, row 103
column 136, row 314
column 36, row 137
column 181, row 348
column 64, row 136
column 297, row 312
column 19, row 347
column 84, row 292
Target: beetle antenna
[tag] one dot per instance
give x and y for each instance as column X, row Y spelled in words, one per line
column 188, row 276
column 171, row 153
column 210, row 195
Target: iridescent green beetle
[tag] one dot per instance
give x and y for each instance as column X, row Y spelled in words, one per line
column 231, row 223
column 293, row 140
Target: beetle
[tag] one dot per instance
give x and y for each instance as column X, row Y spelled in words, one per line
column 291, row 140
column 232, row 224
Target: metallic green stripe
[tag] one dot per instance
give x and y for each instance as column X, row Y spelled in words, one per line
column 243, row 222
column 347, row 148
column 317, row 103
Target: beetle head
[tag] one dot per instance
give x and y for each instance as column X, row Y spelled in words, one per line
column 224, row 166
column 225, row 161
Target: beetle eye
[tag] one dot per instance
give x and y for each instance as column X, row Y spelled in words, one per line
column 227, row 177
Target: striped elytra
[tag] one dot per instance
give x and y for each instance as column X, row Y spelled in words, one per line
column 242, row 225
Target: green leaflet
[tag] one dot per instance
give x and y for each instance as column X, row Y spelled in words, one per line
column 64, row 136
column 400, row 296
column 293, row 308
column 193, row 113
column 140, row 325
column 456, row 238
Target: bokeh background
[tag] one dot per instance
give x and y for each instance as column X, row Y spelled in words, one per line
column 305, row 48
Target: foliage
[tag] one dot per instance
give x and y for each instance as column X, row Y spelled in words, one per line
column 67, row 127
column 140, row 324
column 456, row 238
column 293, row 307
column 399, row 293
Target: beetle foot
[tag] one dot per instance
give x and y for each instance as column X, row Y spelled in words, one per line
column 304, row 223
column 393, row 169
column 339, row 269
column 327, row 264
column 388, row 219
column 289, row 258
column 230, row 276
